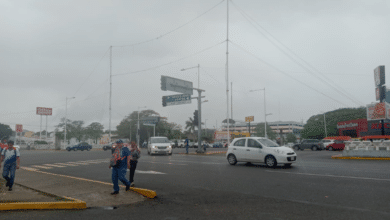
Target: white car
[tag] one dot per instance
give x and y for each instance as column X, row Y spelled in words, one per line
column 327, row 142
column 159, row 145
column 259, row 150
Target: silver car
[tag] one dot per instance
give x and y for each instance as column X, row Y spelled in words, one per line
column 159, row 145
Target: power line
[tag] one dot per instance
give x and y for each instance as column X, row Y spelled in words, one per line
column 248, row 18
column 270, row 65
column 92, row 71
column 175, row 61
column 171, row 31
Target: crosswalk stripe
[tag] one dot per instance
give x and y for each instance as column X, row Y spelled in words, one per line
column 53, row 165
column 42, row 167
column 67, row 164
column 78, row 163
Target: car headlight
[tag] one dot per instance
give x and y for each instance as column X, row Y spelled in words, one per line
column 169, row 146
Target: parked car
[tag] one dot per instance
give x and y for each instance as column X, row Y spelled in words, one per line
column 327, row 142
column 259, row 150
column 81, row 146
column 312, row 144
column 336, row 145
column 159, row 145
column 217, row 145
column 203, row 143
column 109, row 147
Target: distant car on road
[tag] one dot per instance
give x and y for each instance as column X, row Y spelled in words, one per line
column 259, row 150
column 312, row 144
column 159, row 145
column 81, row 146
column 336, row 145
column 217, row 145
column 109, row 147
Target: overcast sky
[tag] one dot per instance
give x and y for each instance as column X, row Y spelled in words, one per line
column 311, row 57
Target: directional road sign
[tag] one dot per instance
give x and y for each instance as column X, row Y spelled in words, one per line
column 177, row 99
column 176, row 85
column 150, row 120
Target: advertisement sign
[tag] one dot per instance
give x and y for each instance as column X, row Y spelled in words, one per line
column 19, row 128
column 249, row 118
column 44, row 111
column 377, row 111
column 237, row 134
column 221, row 135
column 379, row 75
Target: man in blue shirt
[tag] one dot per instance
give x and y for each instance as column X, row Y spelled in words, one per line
column 121, row 158
column 186, row 143
column 10, row 155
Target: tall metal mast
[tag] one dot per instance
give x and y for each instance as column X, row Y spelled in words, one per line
column 109, row 123
column 227, row 71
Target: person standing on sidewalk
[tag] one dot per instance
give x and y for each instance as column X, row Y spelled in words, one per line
column 135, row 155
column 120, row 162
column 186, row 143
column 11, row 157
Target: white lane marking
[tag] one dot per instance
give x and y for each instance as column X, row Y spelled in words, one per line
column 328, row 175
column 42, row 167
column 166, row 163
column 149, row 172
column 78, row 163
column 53, row 165
column 67, row 164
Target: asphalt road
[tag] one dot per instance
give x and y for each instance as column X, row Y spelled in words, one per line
column 207, row 187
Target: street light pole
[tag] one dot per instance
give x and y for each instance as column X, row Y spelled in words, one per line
column 326, row 134
column 198, row 66
column 265, row 112
column 138, row 133
column 66, row 114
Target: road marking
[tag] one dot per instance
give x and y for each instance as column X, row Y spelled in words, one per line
column 42, row 167
column 149, row 172
column 67, row 164
column 53, row 165
column 166, row 163
column 328, row 175
column 79, row 163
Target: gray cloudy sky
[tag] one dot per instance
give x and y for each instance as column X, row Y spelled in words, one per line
column 311, row 56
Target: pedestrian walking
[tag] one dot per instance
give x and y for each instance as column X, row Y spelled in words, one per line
column 186, row 143
column 120, row 162
column 135, row 155
column 11, row 157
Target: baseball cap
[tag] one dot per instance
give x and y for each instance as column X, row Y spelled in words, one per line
column 10, row 142
column 119, row 141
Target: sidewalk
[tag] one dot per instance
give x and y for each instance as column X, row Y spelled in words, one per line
column 93, row 193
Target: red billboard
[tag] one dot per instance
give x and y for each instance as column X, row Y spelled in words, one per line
column 352, row 126
column 19, row 128
column 44, row 111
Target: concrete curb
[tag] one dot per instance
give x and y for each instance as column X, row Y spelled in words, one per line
column 67, row 203
column 145, row 192
column 360, row 158
column 207, row 153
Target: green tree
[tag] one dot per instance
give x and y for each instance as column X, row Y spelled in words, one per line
column 74, row 129
column 291, row 137
column 315, row 126
column 94, row 131
column 260, row 131
column 5, row 131
column 190, row 127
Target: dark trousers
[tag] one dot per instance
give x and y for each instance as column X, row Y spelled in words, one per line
column 119, row 173
column 133, row 164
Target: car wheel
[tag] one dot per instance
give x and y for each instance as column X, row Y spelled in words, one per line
column 270, row 161
column 88, row 149
column 68, row 149
column 232, row 159
column 331, row 148
column 296, row 148
column 314, row 148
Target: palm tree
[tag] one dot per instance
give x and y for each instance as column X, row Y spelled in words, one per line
column 190, row 127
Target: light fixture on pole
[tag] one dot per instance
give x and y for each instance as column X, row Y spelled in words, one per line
column 66, row 114
column 138, row 133
column 198, row 66
column 265, row 112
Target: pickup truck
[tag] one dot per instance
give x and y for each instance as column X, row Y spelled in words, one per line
column 312, row 144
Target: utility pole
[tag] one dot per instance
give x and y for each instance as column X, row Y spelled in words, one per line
column 227, row 71
column 109, row 123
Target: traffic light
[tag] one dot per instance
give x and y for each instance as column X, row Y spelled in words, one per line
column 164, row 101
column 163, row 84
column 196, row 118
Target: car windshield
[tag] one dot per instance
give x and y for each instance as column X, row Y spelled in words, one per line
column 268, row 143
column 160, row 140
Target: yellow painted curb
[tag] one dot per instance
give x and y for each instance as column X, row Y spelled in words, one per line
column 361, row 158
column 145, row 192
column 75, row 204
